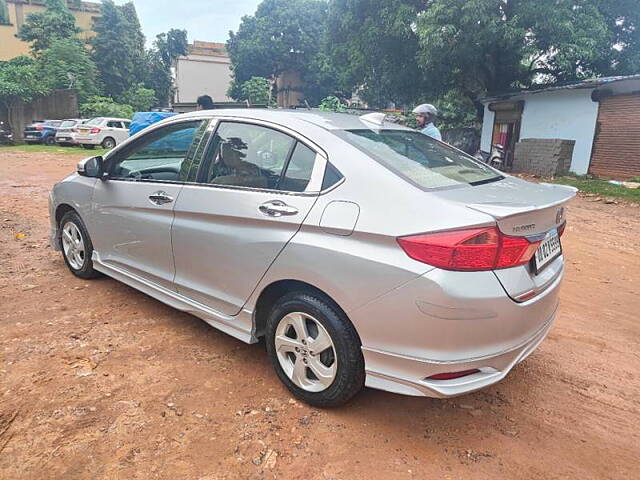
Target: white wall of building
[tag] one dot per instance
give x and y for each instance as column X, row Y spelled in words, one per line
column 564, row 114
column 202, row 74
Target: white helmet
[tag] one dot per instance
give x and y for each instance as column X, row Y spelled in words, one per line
column 426, row 109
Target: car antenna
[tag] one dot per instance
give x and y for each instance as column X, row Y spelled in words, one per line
column 377, row 118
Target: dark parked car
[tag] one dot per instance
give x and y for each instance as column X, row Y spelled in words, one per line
column 6, row 137
column 43, row 131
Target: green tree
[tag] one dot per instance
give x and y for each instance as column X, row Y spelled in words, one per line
column 161, row 59
column 4, row 13
column 257, row 90
column 373, row 48
column 118, row 47
column 487, row 46
column 67, row 64
column 139, row 97
column 283, row 35
column 20, row 83
column 41, row 29
column 105, row 107
column 171, row 45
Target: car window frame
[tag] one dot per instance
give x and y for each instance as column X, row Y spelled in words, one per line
column 114, row 154
column 314, row 187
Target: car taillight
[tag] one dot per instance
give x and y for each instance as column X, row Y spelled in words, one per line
column 39, row 127
column 94, row 130
column 470, row 249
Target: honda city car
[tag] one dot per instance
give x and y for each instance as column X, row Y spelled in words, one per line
column 364, row 253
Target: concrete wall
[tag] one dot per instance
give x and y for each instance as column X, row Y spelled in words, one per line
column 563, row 114
column 202, row 74
column 58, row 105
column 542, row 156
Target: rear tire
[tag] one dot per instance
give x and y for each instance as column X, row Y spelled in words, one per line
column 88, row 147
column 50, row 141
column 329, row 376
column 108, row 143
column 77, row 248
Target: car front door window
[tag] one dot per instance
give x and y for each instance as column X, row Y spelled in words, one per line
column 160, row 155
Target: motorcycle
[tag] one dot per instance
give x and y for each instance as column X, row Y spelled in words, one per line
column 494, row 159
column 6, row 137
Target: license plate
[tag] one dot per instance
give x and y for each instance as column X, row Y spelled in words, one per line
column 31, row 136
column 547, row 252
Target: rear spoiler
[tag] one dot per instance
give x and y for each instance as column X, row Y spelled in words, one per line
column 498, row 210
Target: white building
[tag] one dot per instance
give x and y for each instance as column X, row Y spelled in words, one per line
column 602, row 116
column 206, row 69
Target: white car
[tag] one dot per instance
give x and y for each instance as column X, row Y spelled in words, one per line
column 66, row 132
column 104, row 131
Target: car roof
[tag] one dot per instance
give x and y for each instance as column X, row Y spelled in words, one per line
column 326, row 120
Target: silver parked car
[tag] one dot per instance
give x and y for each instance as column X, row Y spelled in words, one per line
column 363, row 252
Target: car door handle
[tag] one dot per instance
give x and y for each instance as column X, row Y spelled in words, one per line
column 160, row 198
column 277, row 208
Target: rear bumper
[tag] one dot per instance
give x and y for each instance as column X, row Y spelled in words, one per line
column 88, row 140
column 409, row 376
column 65, row 139
column 445, row 322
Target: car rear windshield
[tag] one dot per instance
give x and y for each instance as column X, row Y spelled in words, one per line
column 95, row 121
column 68, row 123
column 420, row 159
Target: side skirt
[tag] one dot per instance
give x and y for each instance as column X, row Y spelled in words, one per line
column 239, row 326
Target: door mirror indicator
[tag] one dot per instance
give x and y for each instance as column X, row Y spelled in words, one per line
column 90, row 167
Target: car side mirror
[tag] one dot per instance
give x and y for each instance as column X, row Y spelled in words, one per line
column 91, row 167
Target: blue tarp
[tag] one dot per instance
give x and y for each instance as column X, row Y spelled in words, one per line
column 142, row 120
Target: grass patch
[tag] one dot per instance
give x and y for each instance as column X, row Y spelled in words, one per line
column 600, row 188
column 57, row 150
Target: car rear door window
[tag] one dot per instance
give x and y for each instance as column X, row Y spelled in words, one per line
column 299, row 169
column 160, row 154
column 246, row 155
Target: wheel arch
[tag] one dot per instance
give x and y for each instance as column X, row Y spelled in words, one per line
column 277, row 289
column 62, row 210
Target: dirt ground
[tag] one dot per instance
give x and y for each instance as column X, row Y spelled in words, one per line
column 98, row 380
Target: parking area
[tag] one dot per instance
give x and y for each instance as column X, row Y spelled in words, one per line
column 98, row 380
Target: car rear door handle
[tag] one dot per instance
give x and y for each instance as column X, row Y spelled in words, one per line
column 160, row 198
column 277, row 208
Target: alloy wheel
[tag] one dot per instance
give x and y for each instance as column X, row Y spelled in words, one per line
column 73, row 245
column 306, row 352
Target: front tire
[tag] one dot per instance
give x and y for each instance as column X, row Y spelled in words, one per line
column 77, row 248
column 50, row 141
column 314, row 349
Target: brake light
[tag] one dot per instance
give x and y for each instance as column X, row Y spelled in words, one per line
column 94, row 130
column 39, row 127
column 470, row 249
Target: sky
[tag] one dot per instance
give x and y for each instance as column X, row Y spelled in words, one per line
column 208, row 20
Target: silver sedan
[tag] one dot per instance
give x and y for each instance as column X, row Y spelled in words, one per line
column 363, row 252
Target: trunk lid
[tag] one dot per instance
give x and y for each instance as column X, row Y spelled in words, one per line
column 522, row 209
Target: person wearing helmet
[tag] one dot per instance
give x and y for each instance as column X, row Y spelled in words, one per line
column 425, row 115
